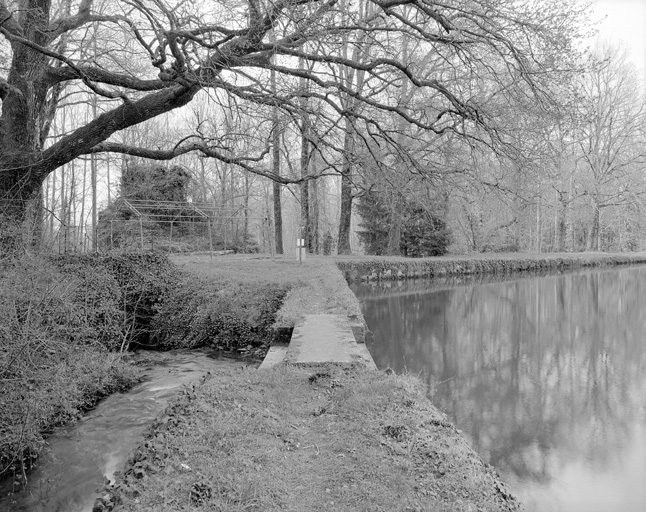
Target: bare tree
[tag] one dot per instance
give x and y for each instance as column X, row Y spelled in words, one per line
column 156, row 56
column 612, row 137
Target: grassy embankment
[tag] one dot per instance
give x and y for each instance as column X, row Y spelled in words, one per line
column 319, row 438
column 371, row 268
column 307, row 439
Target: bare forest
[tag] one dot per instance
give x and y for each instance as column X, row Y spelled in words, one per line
column 358, row 125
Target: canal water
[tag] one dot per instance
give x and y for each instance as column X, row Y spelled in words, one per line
column 546, row 376
column 81, row 458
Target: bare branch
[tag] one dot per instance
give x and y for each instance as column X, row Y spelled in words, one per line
column 83, row 16
column 103, row 76
column 80, row 141
column 8, row 21
column 6, row 88
column 73, row 68
column 160, row 154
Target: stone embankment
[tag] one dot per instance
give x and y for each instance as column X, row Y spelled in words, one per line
column 367, row 268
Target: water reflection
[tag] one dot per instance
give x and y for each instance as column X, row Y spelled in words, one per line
column 546, row 376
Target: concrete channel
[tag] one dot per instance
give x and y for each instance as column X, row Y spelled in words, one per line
column 322, row 338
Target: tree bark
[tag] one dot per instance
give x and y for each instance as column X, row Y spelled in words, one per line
column 247, row 193
column 345, row 220
column 593, row 232
column 306, row 133
column 278, row 210
column 314, row 213
column 305, row 194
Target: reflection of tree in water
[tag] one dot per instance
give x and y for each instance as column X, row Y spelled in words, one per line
column 528, row 366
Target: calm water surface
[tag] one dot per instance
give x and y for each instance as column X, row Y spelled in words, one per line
column 546, row 376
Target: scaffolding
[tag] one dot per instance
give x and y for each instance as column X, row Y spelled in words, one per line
column 144, row 224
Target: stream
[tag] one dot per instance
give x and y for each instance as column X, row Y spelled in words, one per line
column 79, row 458
column 545, row 376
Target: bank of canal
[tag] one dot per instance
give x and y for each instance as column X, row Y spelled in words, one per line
column 545, row 376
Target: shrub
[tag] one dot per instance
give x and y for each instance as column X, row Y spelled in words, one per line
column 416, row 230
column 199, row 313
column 142, row 279
column 51, row 365
column 97, row 297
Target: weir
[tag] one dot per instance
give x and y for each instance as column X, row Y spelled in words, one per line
column 322, row 338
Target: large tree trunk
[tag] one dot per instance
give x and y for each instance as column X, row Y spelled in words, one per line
column 594, row 230
column 278, row 210
column 278, row 219
column 562, row 221
column 306, row 133
column 20, row 132
column 345, row 220
column 314, row 215
column 305, row 194
column 19, row 195
column 26, row 117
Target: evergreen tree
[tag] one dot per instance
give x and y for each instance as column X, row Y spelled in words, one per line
column 423, row 232
column 376, row 219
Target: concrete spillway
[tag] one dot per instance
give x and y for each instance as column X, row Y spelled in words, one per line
column 322, row 338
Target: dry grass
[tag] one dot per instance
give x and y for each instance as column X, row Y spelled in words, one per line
column 309, row 438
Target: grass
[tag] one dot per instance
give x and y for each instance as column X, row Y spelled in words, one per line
column 316, row 286
column 296, row 438
column 327, row 437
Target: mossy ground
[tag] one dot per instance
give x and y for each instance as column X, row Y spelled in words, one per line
column 292, row 438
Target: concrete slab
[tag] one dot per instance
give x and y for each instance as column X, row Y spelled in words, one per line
column 275, row 355
column 326, row 338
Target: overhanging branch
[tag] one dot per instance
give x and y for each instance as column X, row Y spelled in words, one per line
column 244, row 163
column 80, row 141
column 6, row 88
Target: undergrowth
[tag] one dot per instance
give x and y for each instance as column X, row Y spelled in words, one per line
column 65, row 321
column 227, row 315
column 54, row 358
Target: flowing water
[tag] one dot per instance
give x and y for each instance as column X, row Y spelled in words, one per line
column 546, row 376
column 80, row 458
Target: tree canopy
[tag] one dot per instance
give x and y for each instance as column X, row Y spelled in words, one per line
column 382, row 71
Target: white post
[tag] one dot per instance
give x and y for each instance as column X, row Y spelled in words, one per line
column 300, row 244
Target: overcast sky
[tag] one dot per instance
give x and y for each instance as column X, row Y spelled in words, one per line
column 625, row 23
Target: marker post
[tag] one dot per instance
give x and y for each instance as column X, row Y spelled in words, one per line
column 300, row 243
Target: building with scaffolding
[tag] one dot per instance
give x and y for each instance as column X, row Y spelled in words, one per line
column 173, row 226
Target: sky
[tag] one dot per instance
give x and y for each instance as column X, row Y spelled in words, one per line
column 625, row 23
